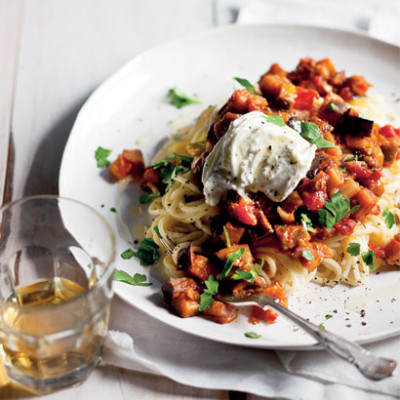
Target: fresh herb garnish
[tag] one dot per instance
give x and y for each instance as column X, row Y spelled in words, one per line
column 335, row 210
column 307, row 223
column 250, row 275
column 177, row 137
column 343, row 169
column 353, row 249
column 307, row 255
column 113, row 209
column 171, row 166
column 229, row 263
column 147, row 252
column 101, row 154
column 157, row 231
column 368, row 258
column 322, row 326
column 333, row 107
column 127, row 254
column 388, row 218
column 252, row 335
column 135, row 280
column 227, row 238
column 179, row 99
column 275, row 119
column 148, row 197
column 310, row 131
column 328, row 316
column 206, row 298
column 246, row 84
column 357, row 157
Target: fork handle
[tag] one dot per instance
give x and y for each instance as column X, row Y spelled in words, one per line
column 369, row 365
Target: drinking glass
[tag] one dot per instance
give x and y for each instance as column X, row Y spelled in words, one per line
column 56, row 276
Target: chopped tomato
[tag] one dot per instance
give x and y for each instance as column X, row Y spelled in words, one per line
column 258, row 314
column 314, row 200
column 345, row 226
column 378, row 250
column 392, row 251
column 304, row 98
column 244, row 211
column 389, row 131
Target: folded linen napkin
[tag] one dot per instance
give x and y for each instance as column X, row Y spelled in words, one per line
column 141, row 343
column 379, row 19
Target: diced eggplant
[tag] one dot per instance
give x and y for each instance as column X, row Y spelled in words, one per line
column 183, row 296
column 220, row 312
column 353, row 124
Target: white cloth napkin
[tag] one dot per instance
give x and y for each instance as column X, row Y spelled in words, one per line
column 141, row 343
column 379, row 18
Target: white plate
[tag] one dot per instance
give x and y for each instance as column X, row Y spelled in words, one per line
column 129, row 110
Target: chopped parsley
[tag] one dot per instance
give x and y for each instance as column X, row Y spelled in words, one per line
column 368, row 258
column 179, row 99
column 335, row 210
column 206, row 298
column 127, row 254
column 157, row 231
column 147, row 252
column 310, row 131
column 227, row 238
column 322, row 326
column 246, row 84
column 388, row 218
column 307, row 255
column 135, row 280
column 148, row 197
column 333, row 107
column 252, row 335
column 307, row 223
column 353, row 249
column 101, row 154
column 275, row 119
column 343, row 169
column 229, row 263
column 113, row 209
column 170, row 167
column 357, row 157
column 328, row 316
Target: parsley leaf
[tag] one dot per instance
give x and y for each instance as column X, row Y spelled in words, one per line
column 353, row 249
column 252, row 335
column 171, row 166
column 206, row 298
column 333, row 106
column 229, row 263
column 247, row 276
column 388, row 218
column 179, row 99
column 275, row 119
column 322, row 326
column 307, row 255
column 310, row 131
column 368, row 258
column 135, row 280
column 147, row 252
column 343, row 169
column 246, row 84
column 157, row 231
column 328, row 316
column 148, row 197
column 113, row 209
column 127, row 254
column 307, row 223
column 101, row 155
column 227, row 238
column 335, row 210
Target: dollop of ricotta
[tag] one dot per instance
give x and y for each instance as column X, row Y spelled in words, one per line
column 256, row 156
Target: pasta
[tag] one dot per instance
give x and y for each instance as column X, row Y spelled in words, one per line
column 340, row 222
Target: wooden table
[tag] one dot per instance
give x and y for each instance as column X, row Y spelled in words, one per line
column 53, row 55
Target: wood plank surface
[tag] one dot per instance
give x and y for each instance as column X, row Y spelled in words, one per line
column 10, row 24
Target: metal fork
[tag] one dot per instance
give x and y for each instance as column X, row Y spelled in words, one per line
column 371, row 366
